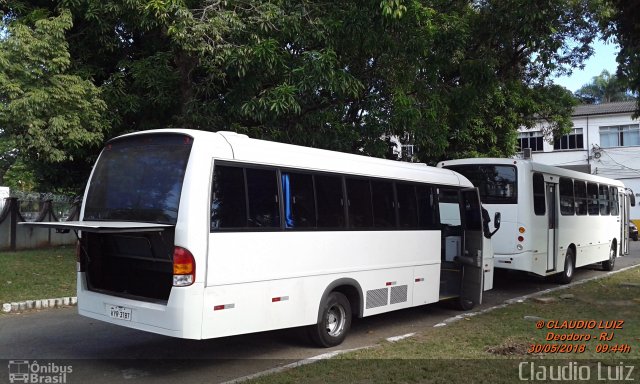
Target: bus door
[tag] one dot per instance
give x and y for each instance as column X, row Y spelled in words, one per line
column 623, row 208
column 626, row 200
column 472, row 261
column 552, row 227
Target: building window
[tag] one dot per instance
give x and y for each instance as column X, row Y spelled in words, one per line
column 574, row 140
column 620, row 136
column 531, row 140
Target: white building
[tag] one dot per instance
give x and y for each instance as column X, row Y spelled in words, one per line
column 605, row 140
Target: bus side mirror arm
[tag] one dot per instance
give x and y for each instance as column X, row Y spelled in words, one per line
column 496, row 224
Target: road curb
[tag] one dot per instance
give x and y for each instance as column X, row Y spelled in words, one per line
column 20, row 306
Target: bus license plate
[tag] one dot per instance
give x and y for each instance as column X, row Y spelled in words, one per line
column 120, row 313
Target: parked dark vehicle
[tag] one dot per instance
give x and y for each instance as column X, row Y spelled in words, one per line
column 633, row 231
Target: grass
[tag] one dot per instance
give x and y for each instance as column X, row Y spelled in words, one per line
column 37, row 274
column 492, row 347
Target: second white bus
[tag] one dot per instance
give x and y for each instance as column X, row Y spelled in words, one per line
column 553, row 219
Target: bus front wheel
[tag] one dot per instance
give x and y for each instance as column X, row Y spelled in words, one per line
column 566, row 275
column 463, row 304
column 334, row 323
column 609, row 264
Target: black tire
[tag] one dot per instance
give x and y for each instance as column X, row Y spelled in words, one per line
column 566, row 275
column 609, row 264
column 464, row 304
column 335, row 321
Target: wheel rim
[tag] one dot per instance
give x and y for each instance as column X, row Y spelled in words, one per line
column 336, row 319
column 612, row 256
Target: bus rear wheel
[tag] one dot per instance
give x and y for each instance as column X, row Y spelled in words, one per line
column 609, row 264
column 566, row 275
column 334, row 323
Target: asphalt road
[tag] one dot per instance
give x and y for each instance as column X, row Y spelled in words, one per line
column 100, row 352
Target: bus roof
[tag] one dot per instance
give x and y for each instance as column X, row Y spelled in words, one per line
column 265, row 152
column 534, row 167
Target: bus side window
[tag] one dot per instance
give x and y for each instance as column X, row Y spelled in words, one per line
column 298, row 200
column 428, row 217
column 228, row 205
column 592, row 194
column 613, row 201
column 330, row 201
column 567, row 203
column 603, row 198
column 384, row 213
column 581, row 197
column 407, row 205
column 262, row 193
column 539, row 202
column 359, row 203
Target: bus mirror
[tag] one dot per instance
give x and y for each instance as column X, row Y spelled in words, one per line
column 496, row 220
column 632, row 196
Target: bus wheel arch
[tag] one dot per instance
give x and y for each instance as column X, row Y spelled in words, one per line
column 608, row 264
column 340, row 301
column 349, row 288
column 569, row 270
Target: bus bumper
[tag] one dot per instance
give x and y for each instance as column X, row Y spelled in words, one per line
column 518, row 262
column 169, row 319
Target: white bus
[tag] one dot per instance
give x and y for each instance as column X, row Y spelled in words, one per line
column 553, row 219
column 200, row 235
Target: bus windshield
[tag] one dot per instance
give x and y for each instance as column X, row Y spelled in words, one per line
column 139, row 178
column 497, row 183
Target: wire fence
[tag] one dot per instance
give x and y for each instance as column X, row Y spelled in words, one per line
column 17, row 207
column 31, row 204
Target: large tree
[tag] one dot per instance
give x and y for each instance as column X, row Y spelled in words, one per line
column 51, row 116
column 457, row 78
column 621, row 23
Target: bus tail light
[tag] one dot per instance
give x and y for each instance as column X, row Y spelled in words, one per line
column 184, row 267
column 519, row 246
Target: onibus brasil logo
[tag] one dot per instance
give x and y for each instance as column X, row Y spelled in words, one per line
column 25, row 371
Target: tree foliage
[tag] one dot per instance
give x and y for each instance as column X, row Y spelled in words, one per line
column 8, row 155
column 50, row 115
column 604, row 88
column 455, row 78
column 621, row 23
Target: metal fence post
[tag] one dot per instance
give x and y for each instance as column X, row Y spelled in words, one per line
column 13, row 219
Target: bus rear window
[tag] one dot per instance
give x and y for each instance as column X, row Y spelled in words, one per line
column 139, row 178
column 497, row 183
